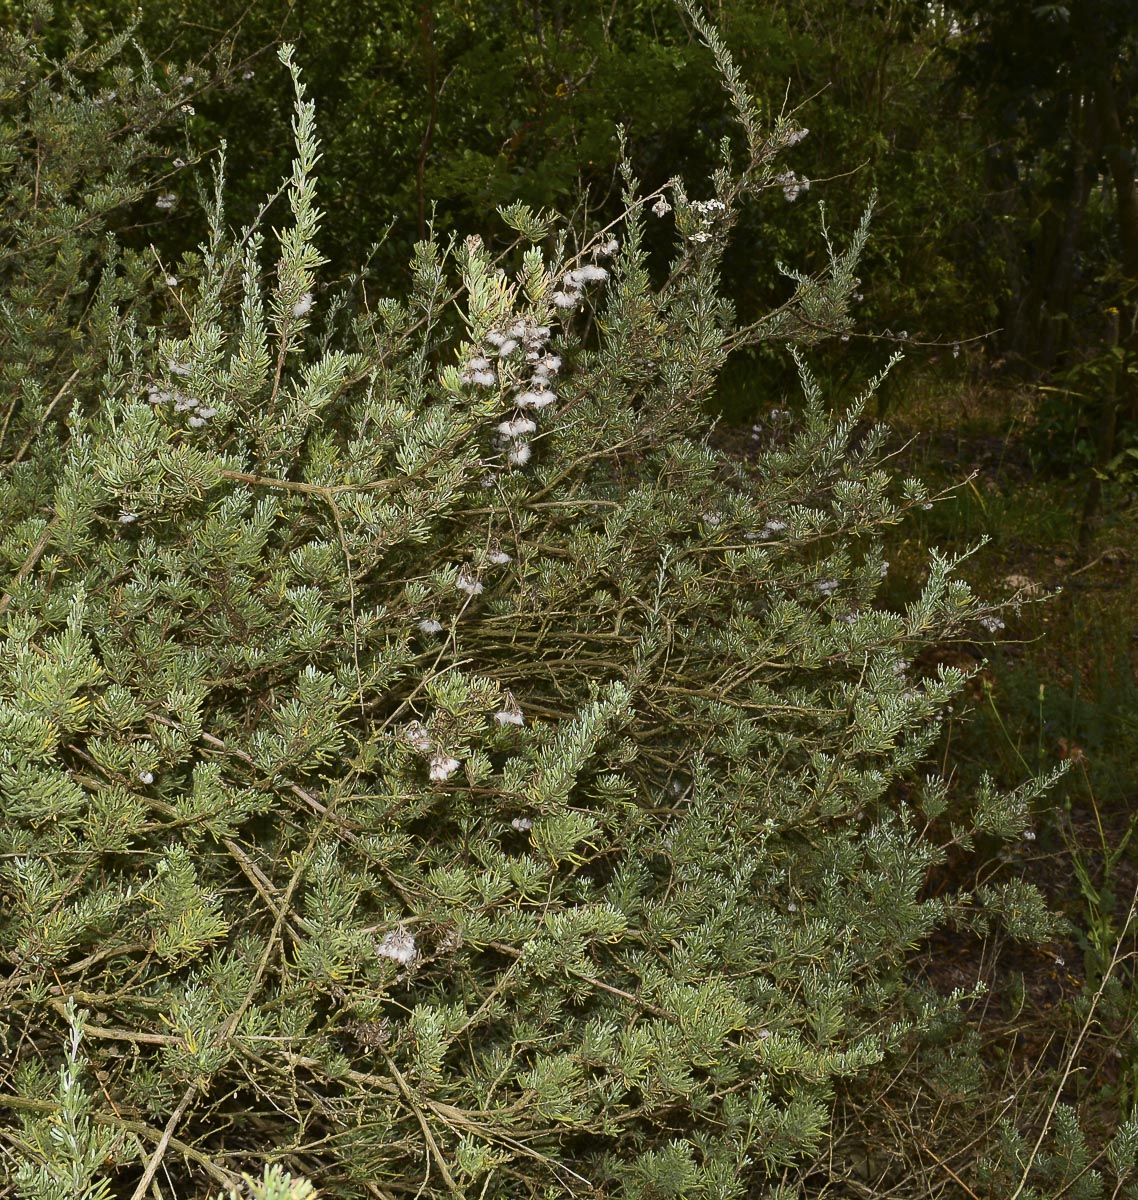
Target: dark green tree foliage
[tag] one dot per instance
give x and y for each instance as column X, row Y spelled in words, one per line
column 1059, row 84
column 427, row 767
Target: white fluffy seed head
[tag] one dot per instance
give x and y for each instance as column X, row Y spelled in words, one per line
column 537, row 397
column 467, row 581
column 516, row 427
column 400, row 946
column 443, row 766
column 415, row 733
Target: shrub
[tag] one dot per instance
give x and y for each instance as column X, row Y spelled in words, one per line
column 433, row 769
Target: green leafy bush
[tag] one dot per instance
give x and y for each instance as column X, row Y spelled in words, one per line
column 430, row 766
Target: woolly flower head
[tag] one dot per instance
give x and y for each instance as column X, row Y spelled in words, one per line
column 398, row 945
column 574, row 280
column 566, row 299
column 826, row 587
column 443, row 766
column 303, row 306
column 536, row 397
column 178, row 368
column 495, row 554
column 797, row 136
column 516, row 427
column 467, row 581
column 415, row 733
column 522, row 824
column 661, row 208
column 429, row 625
column 482, row 378
column 519, row 455
column 166, row 200
column 172, row 281
column 792, row 185
column 510, row 713
column 146, row 776
column 607, row 249
column 125, row 518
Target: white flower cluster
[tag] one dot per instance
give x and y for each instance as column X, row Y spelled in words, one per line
column 443, row 766
column 415, row 733
column 182, row 401
column 522, row 824
column 495, row 554
column 707, row 211
column 510, row 713
column 303, row 306
column 531, row 340
column 573, row 284
column 826, row 587
column 479, row 370
column 792, row 185
column 661, row 208
column 794, row 138
column 400, row 946
column 467, row 581
column 167, row 200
